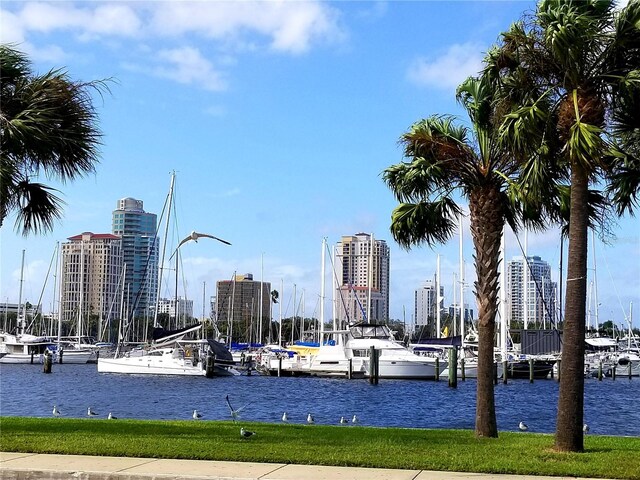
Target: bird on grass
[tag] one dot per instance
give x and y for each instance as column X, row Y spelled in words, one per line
column 284, row 418
column 246, row 433
column 91, row 413
column 111, row 416
column 56, row 412
column 355, row 419
column 585, row 428
column 343, row 420
column 196, row 415
column 235, row 413
column 310, row 419
column 523, row 427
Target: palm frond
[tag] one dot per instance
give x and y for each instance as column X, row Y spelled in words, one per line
column 38, row 208
column 424, row 222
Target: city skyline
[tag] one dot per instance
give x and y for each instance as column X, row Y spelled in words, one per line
column 278, row 119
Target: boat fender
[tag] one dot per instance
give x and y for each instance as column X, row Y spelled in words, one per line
column 623, row 361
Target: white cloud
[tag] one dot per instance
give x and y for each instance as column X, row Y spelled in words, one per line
column 449, row 69
column 187, row 65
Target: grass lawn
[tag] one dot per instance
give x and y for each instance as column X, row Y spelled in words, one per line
column 453, row 450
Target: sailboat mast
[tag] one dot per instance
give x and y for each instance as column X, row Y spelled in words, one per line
column 81, row 309
column 370, row 279
column 503, row 299
column 461, row 266
column 259, row 339
column 438, row 319
column 322, row 280
column 21, row 318
column 164, row 249
column 280, row 309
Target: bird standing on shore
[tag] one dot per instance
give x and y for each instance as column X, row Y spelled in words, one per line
column 285, row 418
column 355, row 419
column 246, row 433
column 111, row 417
column 196, row 415
column 343, row 420
column 585, row 428
column 56, row 412
column 523, row 427
column 310, row 419
column 91, row 413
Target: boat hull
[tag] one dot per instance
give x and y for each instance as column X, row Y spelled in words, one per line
column 148, row 365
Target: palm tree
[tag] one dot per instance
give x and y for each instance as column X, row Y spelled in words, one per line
column 443, row 162
column 48, row 126
column 573, row 70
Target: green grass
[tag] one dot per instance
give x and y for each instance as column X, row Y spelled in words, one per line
column 452, row 450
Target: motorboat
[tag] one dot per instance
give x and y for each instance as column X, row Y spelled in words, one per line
column 23, row 348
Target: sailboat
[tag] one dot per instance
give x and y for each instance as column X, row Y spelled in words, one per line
column 170, row 351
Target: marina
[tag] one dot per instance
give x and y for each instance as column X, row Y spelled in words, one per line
column 26, row 391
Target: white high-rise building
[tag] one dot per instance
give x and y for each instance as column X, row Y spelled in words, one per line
column 425, row 312
column 362, row 272
column 91, row 266
column 532, row 287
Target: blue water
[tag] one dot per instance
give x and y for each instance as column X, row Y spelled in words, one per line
column 610, row 406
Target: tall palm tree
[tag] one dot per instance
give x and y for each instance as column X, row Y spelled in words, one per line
column 48, row 126
column 444, row 162
column 573, row 70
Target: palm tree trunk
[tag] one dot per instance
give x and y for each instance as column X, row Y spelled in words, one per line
column 487, row 221
column 569, row 435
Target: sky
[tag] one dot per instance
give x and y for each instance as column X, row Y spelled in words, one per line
column 278, row 119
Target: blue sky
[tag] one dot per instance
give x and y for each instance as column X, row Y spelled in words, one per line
column 278, row 119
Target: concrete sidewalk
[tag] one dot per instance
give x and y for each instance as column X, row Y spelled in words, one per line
column 32, row 466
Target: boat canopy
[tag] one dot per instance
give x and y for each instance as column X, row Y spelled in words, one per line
column 445, row 342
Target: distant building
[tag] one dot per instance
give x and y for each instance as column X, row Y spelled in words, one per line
column 91, row 266
column 238, row 300
column 531, row 287
column 362, row 272
column 137, row 229
column 180, row 307
column 425, row 305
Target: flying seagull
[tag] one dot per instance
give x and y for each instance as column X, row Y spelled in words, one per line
column 112, row 417
column 343, row 420
column 284, row 417
column 195, row 236
column 310, row 419
column 196, row 415
column 355, row 419
column 235, row 413
column 246, row 433
column 523, row 426
column 56, row 412
column 91, row 413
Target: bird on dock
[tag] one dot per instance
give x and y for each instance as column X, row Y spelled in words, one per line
column 111, row 416
column 235, row 413
column 246, row 433
column 523, row 426
column 310, row 419
column 56, row 412
column 343, row 420
column 284, row 417
column 585, row 428
column 91, row 413
column 196, row 415
column 355, row 419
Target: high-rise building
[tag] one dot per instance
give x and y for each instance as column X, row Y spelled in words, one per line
column 532, row 287
column 239, row 300
column 425, row 305
column 362, row 272
column 180, row 306
column 137, row 229
column 91, row 267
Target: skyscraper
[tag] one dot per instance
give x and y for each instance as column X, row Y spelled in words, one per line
column 137, row 229
column 362, row 272
column 531, row 287
column 91, row 266
column 425, row 305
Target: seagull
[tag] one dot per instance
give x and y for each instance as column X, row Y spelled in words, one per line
column 343, row 420
column 56, row 412
column 111, row 417
column 195, row 236
column 91, row 413
column 284, row 417
column 355, row 419
column 246, row 433
column 585, row 428
column 235, row 413
column 310, row 419
column 196, row 415
column 523, row 426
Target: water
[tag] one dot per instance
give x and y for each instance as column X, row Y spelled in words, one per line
column 611, row 407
